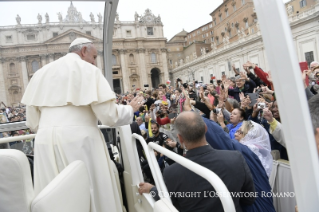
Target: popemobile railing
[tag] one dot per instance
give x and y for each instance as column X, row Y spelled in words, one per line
column 207, row 174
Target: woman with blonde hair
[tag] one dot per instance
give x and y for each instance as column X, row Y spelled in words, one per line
column 256, row 138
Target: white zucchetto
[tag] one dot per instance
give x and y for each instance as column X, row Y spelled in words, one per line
column 80, row 41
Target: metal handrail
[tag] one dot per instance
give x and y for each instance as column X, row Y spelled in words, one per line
column 156, row 172
column 16, row 138
column 207, row 174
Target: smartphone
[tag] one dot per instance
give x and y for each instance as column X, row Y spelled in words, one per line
column 303, row 67
column 253, row 98
column 172, row 115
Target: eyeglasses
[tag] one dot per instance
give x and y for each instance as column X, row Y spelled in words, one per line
column 240, row 132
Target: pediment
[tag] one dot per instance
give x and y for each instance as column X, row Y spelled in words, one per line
column 69, row 36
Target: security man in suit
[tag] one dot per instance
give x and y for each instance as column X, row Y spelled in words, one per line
column 230, row 166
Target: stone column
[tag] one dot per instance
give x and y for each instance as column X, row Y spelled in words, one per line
column 142, row 67
column 51, row 58
column 3, row 95
column 43, row 59
column 165, row 65
column 126, row 81
column 24, row 71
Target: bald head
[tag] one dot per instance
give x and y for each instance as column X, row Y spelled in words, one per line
column 190, row 126
column 313, row 65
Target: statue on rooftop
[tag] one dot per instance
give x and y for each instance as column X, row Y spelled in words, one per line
column 47, row 19
column 100, row 18
column 39, row 18
column 92, row 18
column 18, row 19
column 60, row 17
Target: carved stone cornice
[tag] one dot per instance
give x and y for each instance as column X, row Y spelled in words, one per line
column 163, row 50
column 236, row 24
column 141, row 50
column 10, row 59
column 43, row 56
column 22, row 59
column 122, row 51
column 115, row 51
column 245, row 19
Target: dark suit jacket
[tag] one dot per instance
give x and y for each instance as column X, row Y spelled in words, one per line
column 230, row 166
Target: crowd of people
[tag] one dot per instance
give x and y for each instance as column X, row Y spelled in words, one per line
column 11, row 115
column 199, row 120
column 241, row 113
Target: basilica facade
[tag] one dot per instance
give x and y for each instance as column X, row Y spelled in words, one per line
column 139, row 59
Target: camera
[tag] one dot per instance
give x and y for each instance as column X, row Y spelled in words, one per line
column 146, row 86
column 196, row 82
column 219, row 81
column 178, row 80
column 261, row 105
column 259, row 90
column 185, row 85
column 205, row 87
column 216, row 111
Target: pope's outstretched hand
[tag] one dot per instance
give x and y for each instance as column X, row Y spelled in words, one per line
column 136, row 103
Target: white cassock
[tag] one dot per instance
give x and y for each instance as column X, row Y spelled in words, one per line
column 64, row 101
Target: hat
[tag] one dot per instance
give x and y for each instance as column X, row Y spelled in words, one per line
column 80, row 41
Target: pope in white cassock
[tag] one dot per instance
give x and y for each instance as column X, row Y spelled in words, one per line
column 64, row 100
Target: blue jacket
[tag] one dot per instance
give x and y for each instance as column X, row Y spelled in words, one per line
column 219, row 139
column 232, row 129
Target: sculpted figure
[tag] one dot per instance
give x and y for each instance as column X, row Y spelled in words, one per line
column 92, row 18
column 136, row 16
column 243, row 32
column 60, row 17
column 47, row 18
column 117, row 18
column 100, row 18
column 289, row 10
column 18, row 19
column 39, row 18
